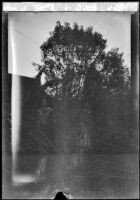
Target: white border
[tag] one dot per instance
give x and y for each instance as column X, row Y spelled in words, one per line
column 83, row 6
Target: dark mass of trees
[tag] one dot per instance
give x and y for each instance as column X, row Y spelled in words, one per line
column 88, row 92
column 74, row 61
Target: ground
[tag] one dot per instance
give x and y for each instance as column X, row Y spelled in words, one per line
column 90, row 176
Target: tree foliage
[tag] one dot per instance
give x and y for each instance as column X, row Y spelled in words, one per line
column 81, row 74
column 73, row 57
column 74, row 60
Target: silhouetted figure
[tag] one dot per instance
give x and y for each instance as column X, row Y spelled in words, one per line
column 60, row 196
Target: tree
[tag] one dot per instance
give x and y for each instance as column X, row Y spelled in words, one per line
column 71, row 55
column 78, row 69
column 115, row 76
column 66, row 57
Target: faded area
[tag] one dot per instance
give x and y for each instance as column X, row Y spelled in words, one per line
column 85, row 176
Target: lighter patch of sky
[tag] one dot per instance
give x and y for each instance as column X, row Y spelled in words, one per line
column 29, row 30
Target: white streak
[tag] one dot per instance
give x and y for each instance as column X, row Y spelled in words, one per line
column 15, row 119
column 43, row 79
column 100, row 6
column 12, row 57
column 23, row 179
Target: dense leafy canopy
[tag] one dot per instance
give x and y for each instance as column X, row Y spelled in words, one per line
column 85, row 87
column 73, row 57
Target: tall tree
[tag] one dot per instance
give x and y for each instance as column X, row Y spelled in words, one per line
column 71, row 56
column 66, row 57
column 77, row 68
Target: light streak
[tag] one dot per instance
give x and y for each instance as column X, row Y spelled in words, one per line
column 12, row 49
column 15, row 120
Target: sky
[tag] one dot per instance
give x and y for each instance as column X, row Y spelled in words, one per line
column 28, row 30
